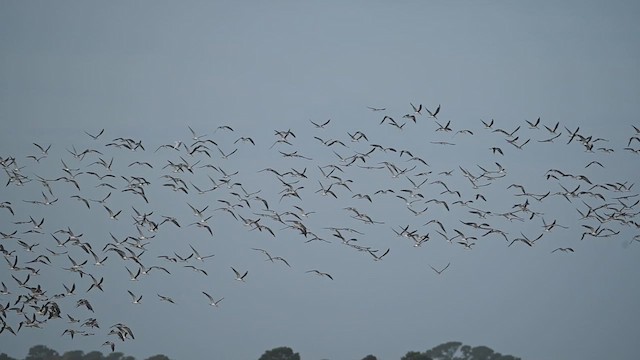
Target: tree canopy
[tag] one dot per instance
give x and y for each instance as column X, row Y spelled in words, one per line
column 41, row 352
column 280, row 353
column 415, row 355
column 453, row 350
column 159, row 357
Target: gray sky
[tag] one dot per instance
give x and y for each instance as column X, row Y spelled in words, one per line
column 148, row 70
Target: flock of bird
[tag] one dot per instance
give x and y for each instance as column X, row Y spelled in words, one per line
column 124, row 184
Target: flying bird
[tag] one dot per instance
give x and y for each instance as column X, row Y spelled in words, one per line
column 166, row 298
column 238, row 276
column 320, row 273
column 320, row 126
column 439, row 272
column 435, row 113
column 95, row 137
column 135, row 299
column 212, row 301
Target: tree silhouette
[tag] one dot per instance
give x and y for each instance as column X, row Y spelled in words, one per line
column 415, row 355
column 41, row 352
column 455, row 350
column 73, row 355
column 280, row 353
column 93, row 355
column 483, row 352
column 448, row 351
column 158, row 357
column 118, row 356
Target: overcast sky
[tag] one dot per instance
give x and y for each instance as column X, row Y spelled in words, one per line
column 149, row 70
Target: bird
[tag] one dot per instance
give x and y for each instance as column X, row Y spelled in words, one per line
column 526, row 240
column 320, row 126
column 5, row 290
column 197, row 255
column 245, row 139
column 320, row 273
column 533, row 125
column 434, row 113
column 44, row 151
column 79, row 198
column 95, row 137
column 563, row 250
column 96, row 283
column 553, row 129
column 212, row 301
column 417, row 109
column 226, row 156
column 238, row 276
column 376, row 257
column 112, row 215
column 326, row 191
column 439, row 272
column 133, row 277
column 110, row 344
column 550, row 139
column 280, row 259
column 166, row 298
column 487, row 125
column 85, row 303
column 135, row 299
column 193, row 134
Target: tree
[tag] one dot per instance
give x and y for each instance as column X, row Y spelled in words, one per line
column 93, row 355
column 466, row 351
column 415, row 355
column 483, row 353
column 370, row 357
column 280, row 353
column 73, row 355
column 41, row 352
column 4, row 356
column 446, row 351
column 118, row 356
column 455, row 350
column 159, row 357
column 114, row 356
